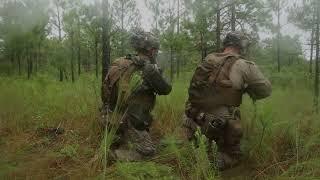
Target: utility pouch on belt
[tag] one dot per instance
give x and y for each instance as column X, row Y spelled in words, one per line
column 213, row 126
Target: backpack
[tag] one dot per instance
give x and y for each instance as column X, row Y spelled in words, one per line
column 211, row 86
column 120, row 70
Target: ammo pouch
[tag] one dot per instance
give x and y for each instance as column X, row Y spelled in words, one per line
column 139, row 116
column 213, row 125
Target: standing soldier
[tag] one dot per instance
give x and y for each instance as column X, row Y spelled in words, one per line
column 130, row 90
column 215, row 94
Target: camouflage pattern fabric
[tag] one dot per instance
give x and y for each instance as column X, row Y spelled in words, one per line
column 219, row 120
column 130, row 90
column 136, row 145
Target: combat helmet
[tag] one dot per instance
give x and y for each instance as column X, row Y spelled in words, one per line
column 236, row 39
column 143, row 41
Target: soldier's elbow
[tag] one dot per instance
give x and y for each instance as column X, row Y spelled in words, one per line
column 264, row 93
column 268, row 90
column 165, row 91
column 260, row 91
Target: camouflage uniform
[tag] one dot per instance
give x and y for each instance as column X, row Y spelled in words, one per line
column 215, row 94
column 129, row 90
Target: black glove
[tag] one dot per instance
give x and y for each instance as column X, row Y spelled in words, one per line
column 152, row 75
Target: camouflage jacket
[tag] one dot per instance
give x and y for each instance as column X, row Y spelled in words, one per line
column 131, row 86
column 231, row 78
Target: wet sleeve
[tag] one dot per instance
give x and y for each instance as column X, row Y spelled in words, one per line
column 152, row 75
column 256, row 84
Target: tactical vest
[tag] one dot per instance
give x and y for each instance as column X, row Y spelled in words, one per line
column 211, row 86
column 119, row 74
column 125, row 91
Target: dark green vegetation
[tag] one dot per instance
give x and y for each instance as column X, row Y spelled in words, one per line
column 281, row 133
column 52, row 56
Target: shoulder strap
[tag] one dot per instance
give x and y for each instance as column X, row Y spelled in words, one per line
column 226, row 63
column 120, row 68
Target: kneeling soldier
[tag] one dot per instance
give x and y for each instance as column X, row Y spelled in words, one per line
column 215, row 94
column 130, row 90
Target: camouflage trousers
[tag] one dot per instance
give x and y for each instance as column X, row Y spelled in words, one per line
column 227, row 138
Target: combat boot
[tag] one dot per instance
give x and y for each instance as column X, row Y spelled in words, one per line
column 225, row 161
column 141, row 142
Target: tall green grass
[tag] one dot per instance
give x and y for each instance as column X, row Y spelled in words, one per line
column 45, row 102
column 281, row 137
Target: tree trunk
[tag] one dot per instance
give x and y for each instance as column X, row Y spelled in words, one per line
column 316, row 83
column 79, row 60
column 38, row 56
column 31, row 63
column 202, row 47
column 96, row 56
column 28, row 63
column 35, row 62
column 178, row 33
column 105, row 40
column 60, row 39
column 79, row 48
column 13, row 57
column 65, row 73
column 205, row 51
column 60, row 74
column 278, row 36
column 28, row 69
column 19, row 64
column 311, row 49
column 218, row 28
column 122, row 29
column 88, row 63
column 59, row 22
column 171, row 64
column 72, row 57
column 233, row 16
column 178, row 18
column 157, row 14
